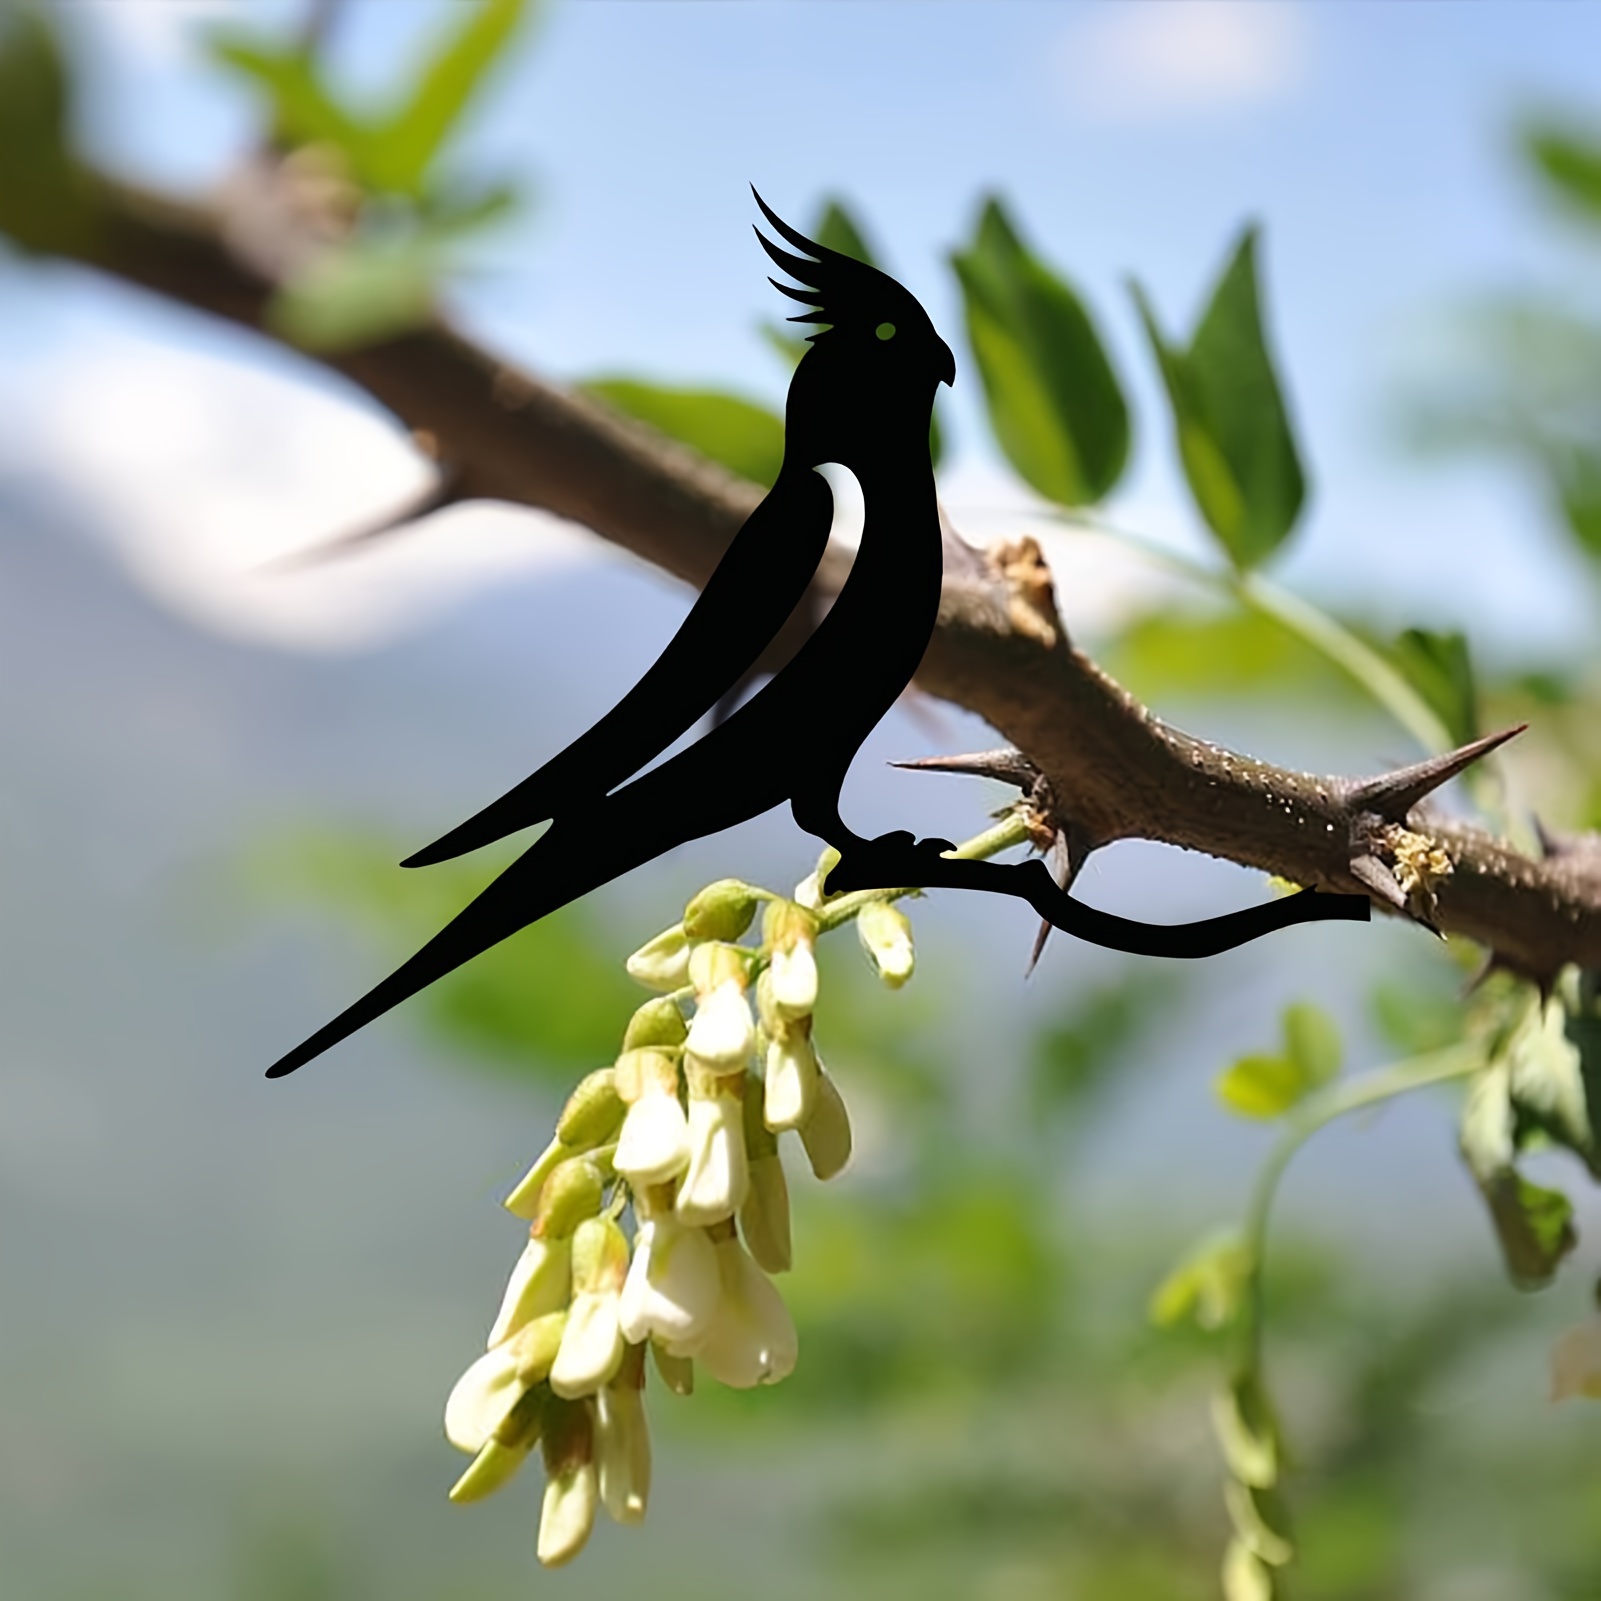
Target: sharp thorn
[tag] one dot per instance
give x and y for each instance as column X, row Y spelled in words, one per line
column 1393, row 795
column 445, row 491
column 1371, row 872
column 1008, row 766
column 1062, row 870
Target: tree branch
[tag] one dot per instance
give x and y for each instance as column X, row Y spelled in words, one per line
column 1113, row 770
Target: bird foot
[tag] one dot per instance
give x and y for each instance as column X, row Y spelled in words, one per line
column 892, row 861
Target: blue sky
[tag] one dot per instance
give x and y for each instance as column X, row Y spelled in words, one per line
column 1372, row 141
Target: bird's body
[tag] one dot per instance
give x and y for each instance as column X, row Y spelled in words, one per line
column 861, row 396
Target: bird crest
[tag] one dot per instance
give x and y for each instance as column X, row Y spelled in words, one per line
column 839, row 289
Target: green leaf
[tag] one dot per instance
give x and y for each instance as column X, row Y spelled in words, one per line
column 746, row 439
column 1575, row 473
column 1262, row 1086
column 1208, row 1285
column 1055, row 405
column 1533, row 1225
column 1547, row 1083
column 838, row 230
column 1570, row 162
column 303, row 107
column 1440, row 669
column 43, row 205
column 1234, row 437
column 1312, row 1042
column 359, row 294
column 403, row 148
column 1184, row 654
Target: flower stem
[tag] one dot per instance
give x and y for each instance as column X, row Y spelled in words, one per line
column 1385, row 1083
column 1009, row 831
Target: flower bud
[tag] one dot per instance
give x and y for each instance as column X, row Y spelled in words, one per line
column 657, row 1023
column 484, row 1396
column 672, row 1287
column 523, row 1201
column 764, row 1218
column 572, row 1489
column 714, row 1184
column 494, row 1466
column 505, row 1451
column 662, row 963
column 790, row 934
column 790, row 1092
column 715, row 963
column 593, row 1113
column 540, row 1283
column 795, row 982
column 886, row 935
column 723, row 1032
column 721, row 911
column 752, row 1338
column 591, row 1343
column 622, row 1441
column 826, row 1134
column 812, row 890
column 654, row 1144
column 573, row 1192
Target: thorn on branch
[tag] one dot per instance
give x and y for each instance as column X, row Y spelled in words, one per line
column 1393, row 795
column 445, row 491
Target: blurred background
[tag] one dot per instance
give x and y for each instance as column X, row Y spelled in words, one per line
column 232, row 1309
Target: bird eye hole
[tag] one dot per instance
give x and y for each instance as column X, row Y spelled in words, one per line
column 885, row 330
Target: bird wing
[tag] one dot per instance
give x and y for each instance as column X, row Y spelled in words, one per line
column 749, row 597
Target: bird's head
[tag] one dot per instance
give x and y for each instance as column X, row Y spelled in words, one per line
column 873, row 328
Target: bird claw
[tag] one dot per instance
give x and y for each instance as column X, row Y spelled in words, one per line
column 891, row 861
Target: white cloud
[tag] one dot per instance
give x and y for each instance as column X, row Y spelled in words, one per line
column 204, row 474
column 1148, row 60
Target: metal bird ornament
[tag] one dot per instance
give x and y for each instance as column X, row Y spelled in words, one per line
column 861, row 396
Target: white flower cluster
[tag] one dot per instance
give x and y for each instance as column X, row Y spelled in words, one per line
column 683, row 1130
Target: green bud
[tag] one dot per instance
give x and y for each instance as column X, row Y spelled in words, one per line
column 593, row 1113
column 786, row 924
column 721, row 911
column 523, row 1201
column 886, row 936
column 534, row 1346
column 714, row 962
column 600, row 1256
column 573, row 1192
column 658, row 1022
column 519, row 1430
column 494, row 1466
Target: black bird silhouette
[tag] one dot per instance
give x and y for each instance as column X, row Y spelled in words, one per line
column 861, row 397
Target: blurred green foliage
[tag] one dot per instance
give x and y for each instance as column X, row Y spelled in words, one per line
column 545, row 1003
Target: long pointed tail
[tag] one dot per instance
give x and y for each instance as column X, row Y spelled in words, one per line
column 1031, row 881
column 543, row 879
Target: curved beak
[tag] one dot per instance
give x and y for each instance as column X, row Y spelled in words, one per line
column 947, row 366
